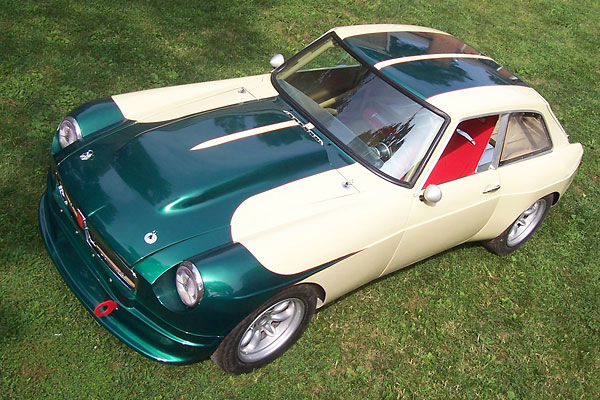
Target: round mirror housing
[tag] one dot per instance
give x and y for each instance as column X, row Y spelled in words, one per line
column 432, row 194
column 276, row 60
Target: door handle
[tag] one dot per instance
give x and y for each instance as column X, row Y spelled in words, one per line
column 491, row 189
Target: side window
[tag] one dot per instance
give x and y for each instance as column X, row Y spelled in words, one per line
column 470, row 150
column 526, row 134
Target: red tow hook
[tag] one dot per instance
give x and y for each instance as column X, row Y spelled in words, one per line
column 110, row 305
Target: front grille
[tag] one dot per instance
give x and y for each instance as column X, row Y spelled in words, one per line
column 117, row 265
column 112, row 261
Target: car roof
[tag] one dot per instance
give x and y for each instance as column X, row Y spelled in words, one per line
column 353, row 30
column 437, row 67
column 482, row 100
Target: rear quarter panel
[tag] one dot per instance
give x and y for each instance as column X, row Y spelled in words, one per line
column 524, row 182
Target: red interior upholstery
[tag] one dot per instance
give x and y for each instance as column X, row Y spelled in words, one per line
column 460, row 158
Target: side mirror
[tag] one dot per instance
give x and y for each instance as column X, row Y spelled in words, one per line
column 276, row 60
column 431, row 195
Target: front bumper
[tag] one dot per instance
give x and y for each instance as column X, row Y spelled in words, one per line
column 90, row 280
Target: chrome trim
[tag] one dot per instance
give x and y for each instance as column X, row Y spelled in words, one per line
column 500, row 140
column 101, row 253
column 76, row 127
column 466, row 136
column 181, row 286
column 308, row 128
column 492, row 189
column 127, row 281
column 86, row 155
column 63, row 196
column 151, row 237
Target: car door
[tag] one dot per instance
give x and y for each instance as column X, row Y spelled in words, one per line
column 527, row 165
column 469, row 195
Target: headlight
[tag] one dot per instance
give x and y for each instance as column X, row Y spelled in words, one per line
column 189, row 284
column 68, row 132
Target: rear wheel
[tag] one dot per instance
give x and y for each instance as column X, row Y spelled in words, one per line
column 522, row 229
column 267, row 332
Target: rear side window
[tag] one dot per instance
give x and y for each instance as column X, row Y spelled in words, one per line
column 526, row 134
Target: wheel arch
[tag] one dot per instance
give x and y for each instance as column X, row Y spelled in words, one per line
column 319, row 291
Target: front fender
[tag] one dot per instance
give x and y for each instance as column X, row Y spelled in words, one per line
column 235, row 284
column 94, row 116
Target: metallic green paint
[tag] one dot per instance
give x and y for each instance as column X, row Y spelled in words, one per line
column 55, row 147
column 143, row 177
column 93, row 117
column 152, row 320
column 234, row 283
column 138, row 182
column 92, row 283
column 96, row 115
column 377, row 47
column 427, row 78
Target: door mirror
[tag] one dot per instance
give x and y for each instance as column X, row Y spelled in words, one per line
column 276, row 60
column 431, row 195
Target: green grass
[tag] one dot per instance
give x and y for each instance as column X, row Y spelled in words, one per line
column 463, row 324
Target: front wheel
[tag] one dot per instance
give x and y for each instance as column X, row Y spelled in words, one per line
column 267, row 332
column 522, row 229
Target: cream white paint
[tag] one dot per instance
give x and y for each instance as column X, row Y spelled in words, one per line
column 312, row 221
column 168, row 103
column 458, row 218
column 354, row 271
column 466, row 103
column 244, row 134
column 347, row 31
column 400, row 60
column 524, row 182
column 462, row 212
column 318, row 219
column 454, row 220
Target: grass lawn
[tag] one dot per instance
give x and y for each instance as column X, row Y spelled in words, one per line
column 463, row 324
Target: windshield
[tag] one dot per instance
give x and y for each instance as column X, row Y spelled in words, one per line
column 380, row 124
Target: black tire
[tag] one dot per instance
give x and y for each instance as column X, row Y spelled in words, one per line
column 236, row 354
column 509, row 240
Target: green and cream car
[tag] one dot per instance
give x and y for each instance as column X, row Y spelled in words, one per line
column 212, row 219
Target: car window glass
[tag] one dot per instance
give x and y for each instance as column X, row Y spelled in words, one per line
column 376, row 47
column 470, row 150
column 526, row 134
column 378, row 123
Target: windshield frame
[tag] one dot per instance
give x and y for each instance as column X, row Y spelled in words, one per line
column 298, row 108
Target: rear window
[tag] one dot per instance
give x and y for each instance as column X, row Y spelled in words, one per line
column 526, row 134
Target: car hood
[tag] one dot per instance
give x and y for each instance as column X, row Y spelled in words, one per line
column 179, row 179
